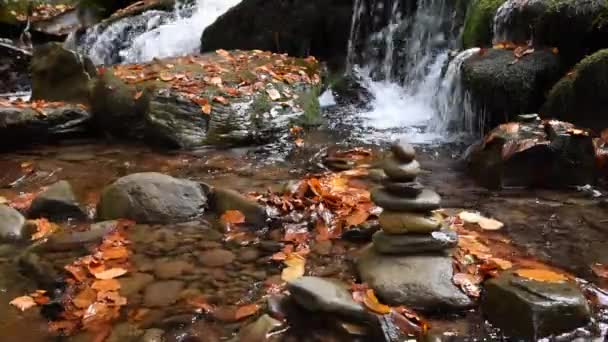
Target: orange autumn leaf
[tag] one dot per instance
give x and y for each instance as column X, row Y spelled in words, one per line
column 357, row 217
column 44, row 228
column 233, row 217
column 206, row 108
column 246, row 311
column 23, row 303
column 315, row 186
column 106, row 285
column 77, row 272
column 299, row 142
column 119, row 252
column 166, row 76
column 110, row 273
column 371, row 302
column 138, row 94
column 85, row 298
column 541, row 275
column 221, row 99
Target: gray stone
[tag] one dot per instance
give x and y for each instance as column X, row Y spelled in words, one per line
column 533, row 309
column 326, row 296
column 248, row 254
column 133, row 283
column 259, row 331
column 428, row 200
column 163, row 293
column 393, row 222
column 11, row 223
column 217, row 257
column 171, row 269
column 223, row 200
column 57, row 203
column 125, row 332
column 403, row 151
column 152, row 198
column 67, row 240
column 401, row 172
column 415, row 243
column 408, row 189
column 153, row 335
column 420, row 282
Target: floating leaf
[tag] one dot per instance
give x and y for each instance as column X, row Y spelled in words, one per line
column 371, row 302
column 541, row 275
column 23, row 303
column 233, row 217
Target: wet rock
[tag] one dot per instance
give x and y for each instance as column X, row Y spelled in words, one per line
column 362, row 232
column 319, row 28
column 326, row 296
column 532, row 309
column 163, row 293
column 216, row 257
column 579, row 96
column 125, row 332
column 403, row 151
column 133, row 283
column 248, row 254
column 393, row 222
column 260, row 330
column 41, row 124
column 57, row 203
column 408, row 189
column 14, row 74
column 199, row 331
column 37, row 269
column 415, row 243
column 401, row 172
column 67, row 240
column 152, row 198
column 222, row 200
column 153, row 335
column 420, row 282
column 11, row 223
column 547, row 154
column 59, row 74
column 428, row 200
column 271, row 246
column 322, row 247
column 503, row 89
column 171, row 269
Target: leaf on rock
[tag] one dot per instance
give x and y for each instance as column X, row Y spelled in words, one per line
column 110, row 273
column 77, row 272
column 246, row 311
column 23, row 303
column 233, row 217
column 222, row 100
column 541, row 275
column 44, row 228
column 490, row 224
column 469, row 283
column 166, row 76
column 113, row 253
column 371, row 302
column 85, row 298
column 469, row 217
column 106, row 285
column 357, row 217
column 295, row 267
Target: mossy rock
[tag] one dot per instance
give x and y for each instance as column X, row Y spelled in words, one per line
column 478, row 23
column 580, row 96
column 503, row 87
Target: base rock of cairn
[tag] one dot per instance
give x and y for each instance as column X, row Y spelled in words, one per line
column 409, row 261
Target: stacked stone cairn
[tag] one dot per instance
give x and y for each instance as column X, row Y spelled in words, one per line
column 409, row 261
column 408, row 223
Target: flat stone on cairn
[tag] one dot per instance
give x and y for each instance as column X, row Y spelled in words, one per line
column 412, row 237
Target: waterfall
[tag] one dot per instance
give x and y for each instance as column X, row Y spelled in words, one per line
column 406, row 66
column 152, row 34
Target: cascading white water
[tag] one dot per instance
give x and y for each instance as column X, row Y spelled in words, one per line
column 406, row 94
column 152, row 34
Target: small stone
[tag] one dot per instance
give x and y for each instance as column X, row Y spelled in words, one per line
column 134, row 283
column 427, row 200
column 153, row 335
column 393, row 222
column 407, row 189
column 420, row 282
column 403, row 151
column 327, row 296
column 415, row 243
column 322, row 247
column 260, row 330
column 57, row 203
column 402, row 172
column 248, row 254
column 216, row 257
column 11, row 223
column 531, row 309
column 163, row 293
column 167, row 269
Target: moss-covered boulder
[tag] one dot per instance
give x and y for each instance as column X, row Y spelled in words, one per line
column 580, row 96
column 576, row 27
column 60, row 75
column 478, row 24
column 223, row 98
column 534, row 153
column 299, row 28
column 502, row 86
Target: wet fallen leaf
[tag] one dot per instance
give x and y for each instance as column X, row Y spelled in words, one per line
column 44, row 228
column 221, row 99
column 110, row 273
column 371, row 302
column 137, row 315
column 23, row 303
column 295, row 267
column 232, row 217
column 166, row 76
column 470, row 217
column 600, row 270
column 85, row 298
column 112, row 253
column 357, row 217
column 299, row 142
column 490, row 224
column 246, row 311
column 3, row 200
column 469, row 283
column 79, row 273
column 206, row 108
column 106, row 285
column 541, row 275
column 138, row 95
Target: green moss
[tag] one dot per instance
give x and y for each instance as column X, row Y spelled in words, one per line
column 478, row 23
column 261, row 104
column 309, row 102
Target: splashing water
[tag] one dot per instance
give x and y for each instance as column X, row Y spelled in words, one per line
column 152, row 34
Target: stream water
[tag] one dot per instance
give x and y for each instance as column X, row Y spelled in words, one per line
column 413, row 73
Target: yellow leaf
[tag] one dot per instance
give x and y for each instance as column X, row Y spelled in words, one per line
column 470, row 217
column 23, row 303
column 490, row 224
column 110, row 273
column 206, row 108
column 295, row 267
column 541, row 275
column 3, row 200
column 371, row 302
column 166, row 76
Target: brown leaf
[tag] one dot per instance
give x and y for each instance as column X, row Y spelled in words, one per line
column 541, row 275
column 23, row 303
column 469, row 283
column 600, row 270
column 299, row 142
column 44, row 228
column 246, row 311
column 233, row 217
column 206, row 108
column 85, row 298
column 77, row 272
column 357, row 217
column 106, row 285
column 221, row 99
column 119, row 252
column 110, row 273
column 295, row 267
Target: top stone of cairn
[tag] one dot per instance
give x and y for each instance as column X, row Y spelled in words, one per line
column 403, row 152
